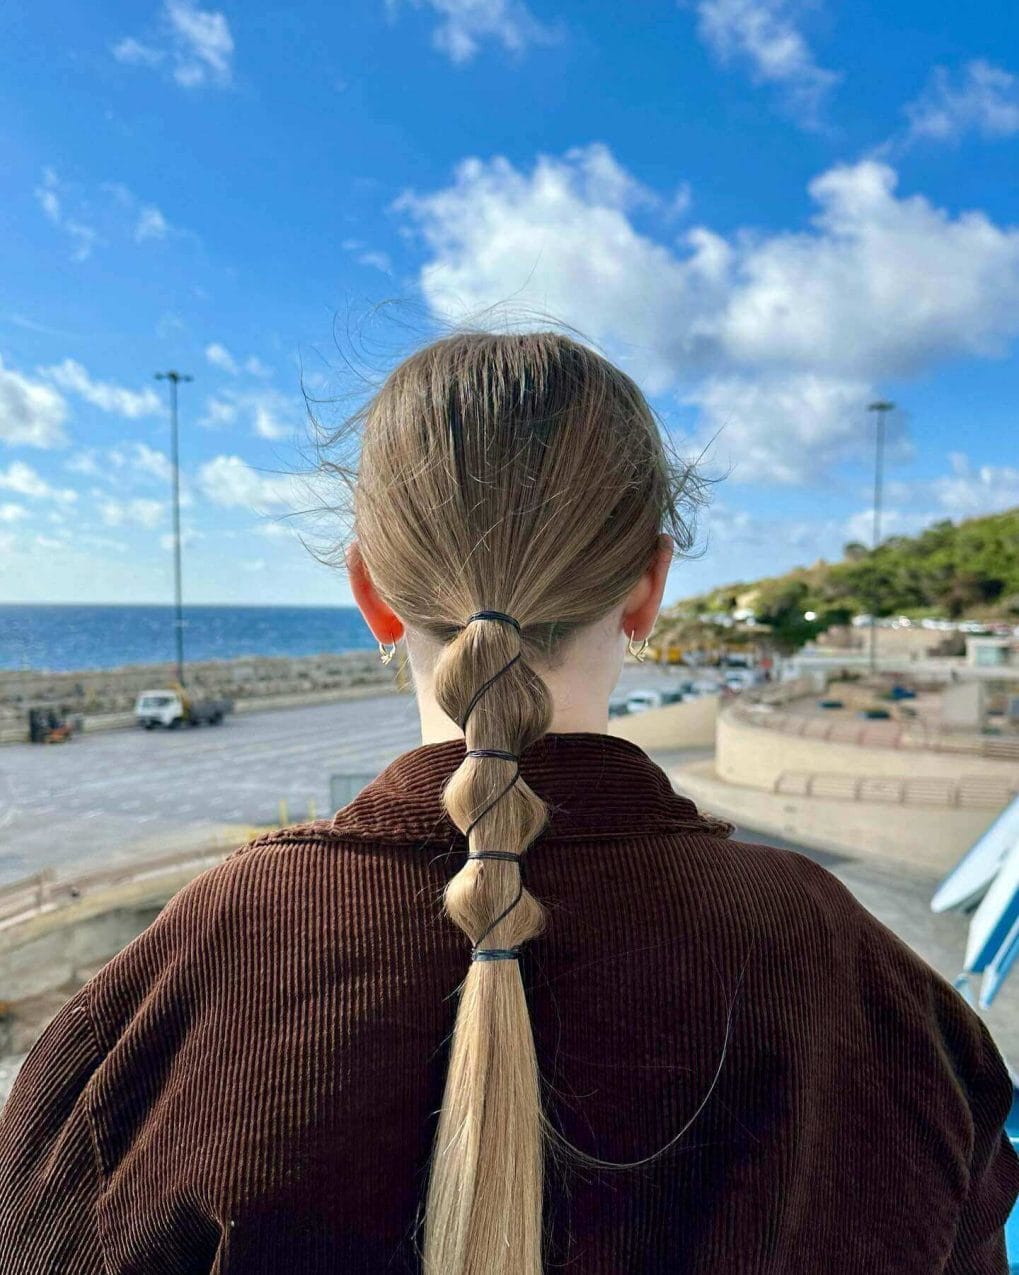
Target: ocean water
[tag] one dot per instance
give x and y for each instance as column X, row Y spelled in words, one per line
column 61, row 638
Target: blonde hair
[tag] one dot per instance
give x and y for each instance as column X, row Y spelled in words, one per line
column 525, row 473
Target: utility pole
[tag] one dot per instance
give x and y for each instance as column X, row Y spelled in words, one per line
column 881, row 407
column 175, row 378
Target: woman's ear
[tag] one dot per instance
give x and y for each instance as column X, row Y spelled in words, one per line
column 383, row 621
column 641, row 610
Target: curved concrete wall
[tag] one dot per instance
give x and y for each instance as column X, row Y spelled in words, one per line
column 929, row 837
column 755, row 756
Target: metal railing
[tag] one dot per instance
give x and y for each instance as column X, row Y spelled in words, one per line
column 970, row 792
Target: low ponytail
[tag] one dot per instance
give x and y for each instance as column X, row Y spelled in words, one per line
column 526, row 472
column 484, row 1207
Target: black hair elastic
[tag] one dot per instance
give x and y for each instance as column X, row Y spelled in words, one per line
column 507, row 619
column 495, row 953
column 497, row 854
column 493, row 615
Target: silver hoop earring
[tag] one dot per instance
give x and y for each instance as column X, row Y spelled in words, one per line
column 384, row 655
column 641, row 652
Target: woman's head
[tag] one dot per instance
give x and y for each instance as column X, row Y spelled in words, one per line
column 525, row 468
column 526, row 474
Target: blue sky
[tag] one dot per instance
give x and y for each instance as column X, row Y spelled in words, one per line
column 770, row 214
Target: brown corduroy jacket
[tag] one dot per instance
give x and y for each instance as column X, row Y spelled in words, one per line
column 251, row 1086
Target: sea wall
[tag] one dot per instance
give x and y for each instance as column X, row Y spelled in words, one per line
column 107, row 696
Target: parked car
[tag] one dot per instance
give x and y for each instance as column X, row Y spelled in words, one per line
column 170, row 708
column 638, row 701
column 617, row 708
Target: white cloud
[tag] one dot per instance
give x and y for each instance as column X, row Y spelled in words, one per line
column 380, row 260
column 881, row 287
column 107, row 396
column 10, row 512
column 48, row 199
column 859, row 527
column 268, row 413
column 170, row 327
column 967, row 490
column 31, row 414
column 465, row 24
column 187, row 536
column 218, row 414
column 128, row 466
column 787, row 428
column 761, row 33
column 985, row 101
column 134, row 53
column 195, row 44
column 275, row 530
column 369, row 257
column 878, row 287
column 84, row 462
column 560, row 238
column 219, row 356
column 26, row 481
column 48, row 194
column 139, row 512
column 151, row 225
column 50, row 542
column 148, row 221
column 232, row 483
column 204, row 44
column 142, row 459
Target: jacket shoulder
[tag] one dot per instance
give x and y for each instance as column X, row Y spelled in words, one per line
column 207, row 924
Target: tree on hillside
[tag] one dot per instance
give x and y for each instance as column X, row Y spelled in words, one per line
column 948, row 569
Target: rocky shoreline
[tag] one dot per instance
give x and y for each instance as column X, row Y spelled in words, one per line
column 105, row 696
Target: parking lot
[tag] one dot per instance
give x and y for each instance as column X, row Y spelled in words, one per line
column 111, row 796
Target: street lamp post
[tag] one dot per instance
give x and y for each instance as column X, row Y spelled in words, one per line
column 175, row 378
column 881, row 407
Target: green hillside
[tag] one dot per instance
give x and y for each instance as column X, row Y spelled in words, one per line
column 961, row 571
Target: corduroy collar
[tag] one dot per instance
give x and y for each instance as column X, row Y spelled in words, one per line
column 595, row 785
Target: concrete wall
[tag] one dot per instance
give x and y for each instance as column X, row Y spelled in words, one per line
column 755, row 756
column 46, row 957
column 931, row 837
column 964, row 706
